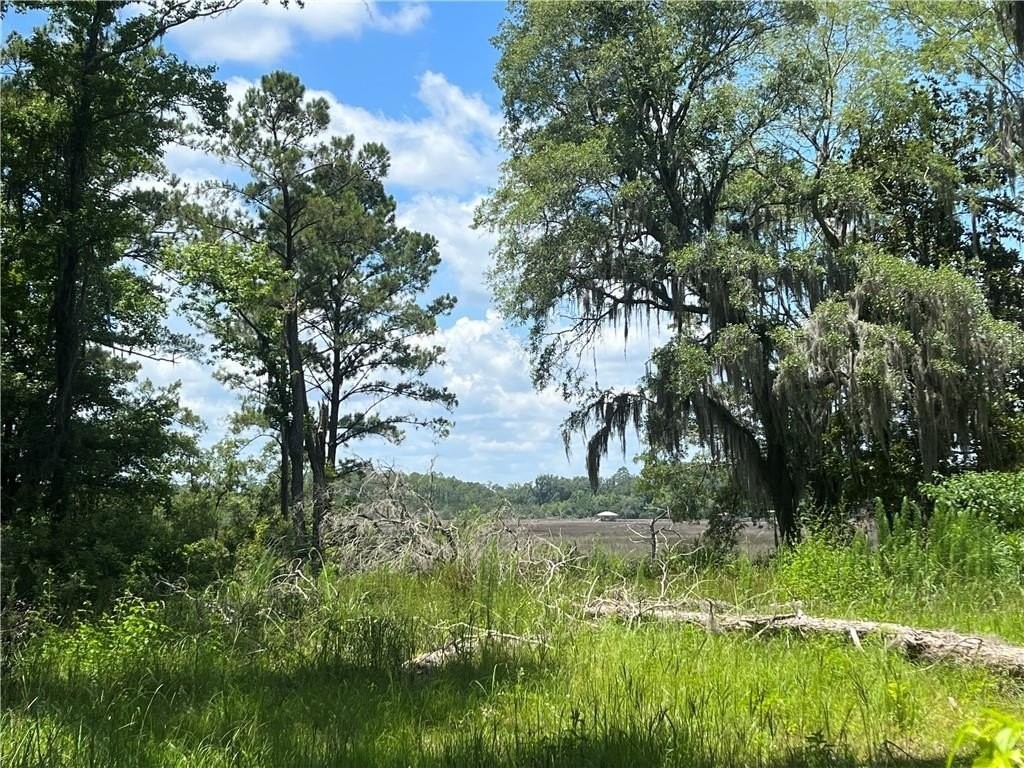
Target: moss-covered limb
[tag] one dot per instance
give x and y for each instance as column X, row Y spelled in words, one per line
column 925, row 644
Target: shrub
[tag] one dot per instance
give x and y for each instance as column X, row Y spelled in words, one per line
column 719, row 539
column 959, row 541
column 205, row 561
column 998, row 737
column 994, row 496
column 119, row 644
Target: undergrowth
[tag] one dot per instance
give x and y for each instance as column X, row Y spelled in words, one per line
column 276, row 666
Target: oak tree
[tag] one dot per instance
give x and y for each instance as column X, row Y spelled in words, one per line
column 700, row 166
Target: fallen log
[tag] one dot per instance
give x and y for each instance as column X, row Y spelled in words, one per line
column 929, row 645
column 461, row 647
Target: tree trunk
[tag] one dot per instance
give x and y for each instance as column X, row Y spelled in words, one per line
column 295, row 438
column 69, row 285
column 284, row 496
column 785, row 515
column 10, row 459
column 332, row 421
column 776, row 469
column 783, row 494
column 277, row 398
column 929, row 645
column 315, row 444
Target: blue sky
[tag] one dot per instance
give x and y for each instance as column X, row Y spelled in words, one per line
column 419, row 78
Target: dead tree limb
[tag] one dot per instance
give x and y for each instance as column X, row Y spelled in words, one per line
column 923, row 644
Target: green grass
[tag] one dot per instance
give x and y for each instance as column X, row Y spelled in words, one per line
column 266, row 670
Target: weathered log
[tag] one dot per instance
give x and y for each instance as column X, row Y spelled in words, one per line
column 924, row 644
column 462, row 647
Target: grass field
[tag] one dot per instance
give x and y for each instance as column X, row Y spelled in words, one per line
column 276, row 668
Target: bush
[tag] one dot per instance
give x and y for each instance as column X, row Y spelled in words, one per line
column 119, row 644
column 998, row 738
column 719, row 539
column 205, row 561
column 960, row 541
column 995, row 496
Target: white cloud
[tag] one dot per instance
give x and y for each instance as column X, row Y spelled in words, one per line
column 199, row 392
column 465, row 251
column 260, row 32
column 453, row 149
column 192, row 166
column 454, row 108
column 505, row 430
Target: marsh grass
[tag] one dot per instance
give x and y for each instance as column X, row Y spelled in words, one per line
column 275, row 667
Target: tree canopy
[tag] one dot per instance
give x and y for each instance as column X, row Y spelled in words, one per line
column 299, row 273
column 89, row 101
column 309, row 286
column 726, row 170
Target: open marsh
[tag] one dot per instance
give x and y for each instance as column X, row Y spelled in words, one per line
column 633, row 537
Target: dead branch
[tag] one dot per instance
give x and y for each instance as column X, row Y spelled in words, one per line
column 388, row 524
column 923, row 644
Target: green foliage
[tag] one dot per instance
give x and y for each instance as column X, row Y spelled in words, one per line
column 302, row 276
column 951, row 547
column 690, row 490
column 911, row 557
column 204, row 560
column 125, row 526
column 994, row 497
column 767, row 181
column 117, row 647
column 74, row 278
column 912, row 358
column 189, row 530
column 813, row 200
column 90, row 98
column 823, row 570
column 997, row 736
column 279, row 668
column 718, row 541
column 546, row 496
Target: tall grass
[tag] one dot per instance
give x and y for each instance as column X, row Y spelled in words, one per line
column 279, row 667
column 958, row 570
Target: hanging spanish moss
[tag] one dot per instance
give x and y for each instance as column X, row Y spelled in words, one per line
column 908, row 346
column 612, row 414
column 649, row 183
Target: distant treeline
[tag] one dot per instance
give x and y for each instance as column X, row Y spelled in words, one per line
column 546, row 496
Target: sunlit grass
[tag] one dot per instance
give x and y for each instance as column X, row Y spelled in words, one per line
column 308, row 672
